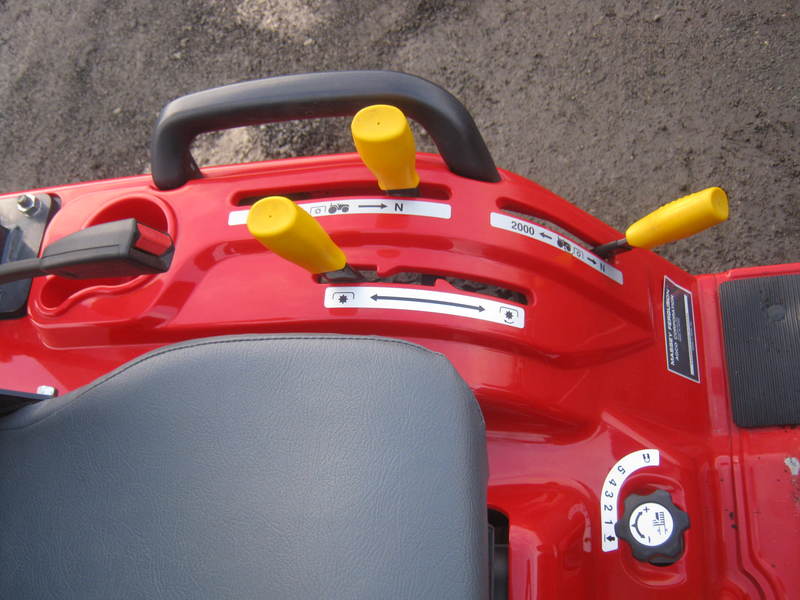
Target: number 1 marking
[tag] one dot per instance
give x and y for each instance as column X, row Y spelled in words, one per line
column 624, row 467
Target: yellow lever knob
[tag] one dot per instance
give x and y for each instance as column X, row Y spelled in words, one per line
column 290, row 232
column 386, row 145
column 679, row 219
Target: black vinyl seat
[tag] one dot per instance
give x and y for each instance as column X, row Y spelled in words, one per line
column 261, row 466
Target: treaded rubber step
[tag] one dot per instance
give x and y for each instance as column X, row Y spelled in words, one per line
column 761, row 323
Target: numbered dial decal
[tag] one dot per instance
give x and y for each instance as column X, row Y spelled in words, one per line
column 609, row 497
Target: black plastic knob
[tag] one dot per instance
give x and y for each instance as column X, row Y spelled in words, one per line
column 653, row 527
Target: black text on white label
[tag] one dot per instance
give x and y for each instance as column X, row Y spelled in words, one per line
column 551, row 238
column 363, row 206
column 609, row 496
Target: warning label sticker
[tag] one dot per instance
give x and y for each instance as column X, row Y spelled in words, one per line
column 680, row 337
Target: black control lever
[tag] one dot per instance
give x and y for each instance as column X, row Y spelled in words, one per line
column 116, row 249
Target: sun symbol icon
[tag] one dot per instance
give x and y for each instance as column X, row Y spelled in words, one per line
column 509, row 315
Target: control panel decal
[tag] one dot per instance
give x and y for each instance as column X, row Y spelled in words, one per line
column 551, row 238
column 363, row 206
column 609, row 497
column 651, row 531
column 399, row 298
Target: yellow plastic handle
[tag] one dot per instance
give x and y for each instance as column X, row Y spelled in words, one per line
column 290, row 232
column 679, row 219
column 386, row 145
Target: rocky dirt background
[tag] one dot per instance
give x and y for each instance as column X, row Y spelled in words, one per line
column 617, row 106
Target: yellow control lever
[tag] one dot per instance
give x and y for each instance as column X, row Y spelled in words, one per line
column 679, row 219
column 674, row 221
column 290, row 232
column 385, row 143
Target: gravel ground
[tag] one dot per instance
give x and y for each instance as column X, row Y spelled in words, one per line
column 617, row 106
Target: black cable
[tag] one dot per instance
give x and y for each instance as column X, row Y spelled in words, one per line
column 21, row 269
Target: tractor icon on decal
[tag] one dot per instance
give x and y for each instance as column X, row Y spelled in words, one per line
column 564, row 244
column 334, row 208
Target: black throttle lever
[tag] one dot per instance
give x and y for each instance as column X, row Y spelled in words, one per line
column 116, row 249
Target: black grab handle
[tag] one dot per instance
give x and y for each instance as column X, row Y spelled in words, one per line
column 335, row 94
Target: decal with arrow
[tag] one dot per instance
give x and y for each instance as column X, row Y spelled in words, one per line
column 478, row 307
column 415, row 299
column 363, row 206
column 545, row 236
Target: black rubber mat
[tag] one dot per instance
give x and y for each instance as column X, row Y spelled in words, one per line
column 761, row 320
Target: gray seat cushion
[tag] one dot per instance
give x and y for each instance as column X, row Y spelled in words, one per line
column 296, row 466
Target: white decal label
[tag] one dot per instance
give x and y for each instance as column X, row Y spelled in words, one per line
column 399, row 298
column 651, row 524
column 609, row 497
column 363, row 206
column 551, row 238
